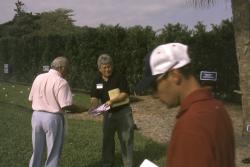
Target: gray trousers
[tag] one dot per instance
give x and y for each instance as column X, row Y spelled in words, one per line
column 122, row 123
column 46, row 128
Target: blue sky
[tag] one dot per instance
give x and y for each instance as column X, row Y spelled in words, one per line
column 155, row 13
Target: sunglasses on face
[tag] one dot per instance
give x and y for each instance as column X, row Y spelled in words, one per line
column 158, row 79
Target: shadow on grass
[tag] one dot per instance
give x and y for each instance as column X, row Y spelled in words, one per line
column 153, row 151
column 79, row 149
column 21, row 107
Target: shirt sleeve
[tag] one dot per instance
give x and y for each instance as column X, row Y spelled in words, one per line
column 65, row 96
column 31, row 94
column 30, row 98
column 123, row 84
column 94, row 92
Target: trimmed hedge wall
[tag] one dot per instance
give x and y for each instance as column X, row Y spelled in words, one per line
column 213, row 51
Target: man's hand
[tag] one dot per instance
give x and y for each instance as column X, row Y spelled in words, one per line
column 94, row 102
column 109, row 103
column 75, row 108
column 116, row 99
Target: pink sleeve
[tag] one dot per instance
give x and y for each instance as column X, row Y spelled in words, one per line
column 31, row 92
column 65, row 96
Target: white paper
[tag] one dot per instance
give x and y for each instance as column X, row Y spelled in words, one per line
column 99, row 109
column 99, row 86
column 147, row 163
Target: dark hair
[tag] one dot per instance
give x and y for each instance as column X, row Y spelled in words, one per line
column 187, row 70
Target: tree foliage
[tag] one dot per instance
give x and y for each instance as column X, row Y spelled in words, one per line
column 19, row 9
column 202, row 3
column 55, row 22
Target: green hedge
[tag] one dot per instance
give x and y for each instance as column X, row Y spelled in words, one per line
column 212, row 50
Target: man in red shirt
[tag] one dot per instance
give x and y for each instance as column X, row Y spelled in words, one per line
column 203, row 134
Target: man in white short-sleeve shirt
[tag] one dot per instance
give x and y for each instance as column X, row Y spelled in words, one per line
column 50, row 96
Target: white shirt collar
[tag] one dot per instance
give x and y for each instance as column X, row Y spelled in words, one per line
column 53, row 71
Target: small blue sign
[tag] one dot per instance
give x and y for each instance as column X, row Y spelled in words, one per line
column 208, row 76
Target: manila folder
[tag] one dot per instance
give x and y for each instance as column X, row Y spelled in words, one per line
column 115, row 92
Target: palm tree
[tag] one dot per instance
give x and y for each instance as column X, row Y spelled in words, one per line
column 241, row 22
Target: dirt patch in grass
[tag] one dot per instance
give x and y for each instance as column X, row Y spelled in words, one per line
column 155, row 121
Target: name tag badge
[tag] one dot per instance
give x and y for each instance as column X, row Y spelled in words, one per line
column 99, row 86
column 208, row 76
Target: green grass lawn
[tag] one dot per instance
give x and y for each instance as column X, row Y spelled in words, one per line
column 82, row 146
column 18, row 95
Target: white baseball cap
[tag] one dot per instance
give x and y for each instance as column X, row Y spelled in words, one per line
column 163, row 58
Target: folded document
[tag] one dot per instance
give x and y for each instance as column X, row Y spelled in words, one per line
column 99, row 110
column 115, row 92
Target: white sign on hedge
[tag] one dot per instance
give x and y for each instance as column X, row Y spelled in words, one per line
column 248, row 128
column 6, row 68
column 208, row 76
column 46, row 68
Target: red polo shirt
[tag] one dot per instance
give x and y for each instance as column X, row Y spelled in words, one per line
column 203, row 135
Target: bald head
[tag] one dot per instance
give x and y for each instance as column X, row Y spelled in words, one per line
column 59, row 62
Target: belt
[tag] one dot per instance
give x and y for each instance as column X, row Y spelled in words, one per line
column 60, row 113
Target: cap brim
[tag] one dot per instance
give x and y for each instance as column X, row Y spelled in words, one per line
column 144, row 84
column 147, row 79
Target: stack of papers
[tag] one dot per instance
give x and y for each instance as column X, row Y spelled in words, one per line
column 115, row 92
column 99, row 110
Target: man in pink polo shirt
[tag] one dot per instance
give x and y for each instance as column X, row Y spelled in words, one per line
column 50, row 96
column 203, row 134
